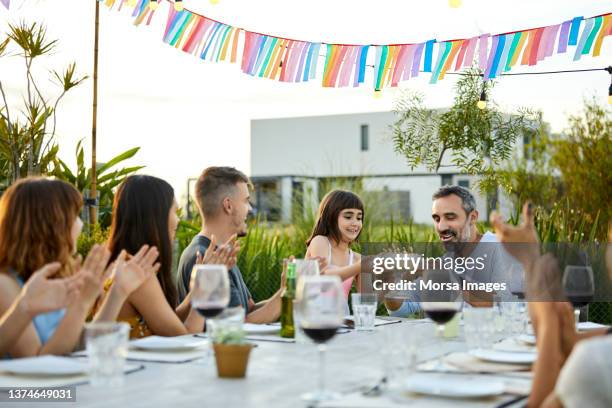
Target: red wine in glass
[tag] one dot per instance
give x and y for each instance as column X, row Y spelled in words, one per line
column 320, row 334
column 441, row 316
column 210, row 311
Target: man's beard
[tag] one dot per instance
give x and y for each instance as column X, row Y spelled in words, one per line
column 463, row 238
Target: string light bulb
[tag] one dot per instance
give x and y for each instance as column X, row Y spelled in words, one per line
column 454, row 3
column 178, row 5
column 153, row 5
column 377, row 94
column 482, row 102
column 609, row 69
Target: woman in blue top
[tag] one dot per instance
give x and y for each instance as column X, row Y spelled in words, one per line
column 39, row 224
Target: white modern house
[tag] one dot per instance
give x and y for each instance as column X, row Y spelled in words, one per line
column 296, row 158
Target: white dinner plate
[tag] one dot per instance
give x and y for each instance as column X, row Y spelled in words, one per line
column 496, row 356
column 44, row 366
column 159, row 343
column 586, row 326
column 454, row 386
column 527, row 339
column 514, row 345
column 252, row 328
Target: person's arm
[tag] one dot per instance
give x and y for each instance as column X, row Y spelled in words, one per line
column 550, row 357
column 319, row 247
column 39, row 295
column 266, row 311
column 150, row 302
column 68, row 332
column 127, row 276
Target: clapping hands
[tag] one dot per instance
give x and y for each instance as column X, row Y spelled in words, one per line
column 226, row 254
column 129, row 274
column 41, row 294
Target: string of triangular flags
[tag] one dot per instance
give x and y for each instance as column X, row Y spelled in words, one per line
column 290, row 60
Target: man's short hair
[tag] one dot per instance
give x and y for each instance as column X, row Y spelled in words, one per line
column 213, row 185
column 468, row 201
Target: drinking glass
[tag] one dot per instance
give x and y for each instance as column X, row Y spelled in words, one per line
column 578, row 286
column 441, row 298
column 107, row 347
column 210, row 289
column 320, row 309
column 364, row 310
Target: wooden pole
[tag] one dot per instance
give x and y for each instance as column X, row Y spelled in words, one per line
column 93, row 216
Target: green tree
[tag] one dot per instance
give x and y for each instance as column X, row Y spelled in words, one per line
column 476, row 141
column 583, row 157
column 27, row 145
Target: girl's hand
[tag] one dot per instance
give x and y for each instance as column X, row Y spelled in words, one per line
column 41, row 294
column 128, row 275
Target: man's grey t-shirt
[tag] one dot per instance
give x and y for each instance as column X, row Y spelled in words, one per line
column 239, row 293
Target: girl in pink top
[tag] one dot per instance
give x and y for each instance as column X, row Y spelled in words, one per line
column 338, row 225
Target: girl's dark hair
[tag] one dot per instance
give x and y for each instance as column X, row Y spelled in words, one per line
column 329, row 210
column 140, row 216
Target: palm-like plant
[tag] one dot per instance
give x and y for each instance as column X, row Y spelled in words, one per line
column 27, row 145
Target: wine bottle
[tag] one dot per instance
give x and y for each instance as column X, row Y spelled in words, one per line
column 287, row 326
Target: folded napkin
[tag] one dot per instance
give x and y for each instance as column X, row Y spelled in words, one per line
column 170, row 357
column 19, row 381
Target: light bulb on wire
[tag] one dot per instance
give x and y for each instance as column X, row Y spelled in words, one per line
column 178, row 5
column 454, row 3
column 377, row 94
column 482, row 102
column 609, row 69
column 153, row 5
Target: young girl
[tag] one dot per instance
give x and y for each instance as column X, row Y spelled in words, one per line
column 338, row 225
column 40, row 224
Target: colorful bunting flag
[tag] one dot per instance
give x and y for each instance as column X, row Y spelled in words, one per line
column 6, row 3
column 343, row 65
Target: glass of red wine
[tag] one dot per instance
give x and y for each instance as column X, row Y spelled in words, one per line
column 442, row 297
column 320, row 307
column 210, row 289
column 578, row 286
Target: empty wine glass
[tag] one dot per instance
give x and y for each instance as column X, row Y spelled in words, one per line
column 320, row 301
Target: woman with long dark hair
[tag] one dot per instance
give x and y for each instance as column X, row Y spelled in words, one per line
column 144, row 213
column 338, row 225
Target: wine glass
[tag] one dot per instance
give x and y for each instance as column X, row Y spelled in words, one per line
column 210, row 289
column 578, row 286
column 441, row 296
column 320, row 309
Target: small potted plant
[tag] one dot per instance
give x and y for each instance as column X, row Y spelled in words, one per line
column 231, row 352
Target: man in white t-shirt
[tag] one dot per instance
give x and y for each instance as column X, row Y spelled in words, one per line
column 455, row 216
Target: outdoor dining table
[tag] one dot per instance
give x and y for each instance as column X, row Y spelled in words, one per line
column 278, row 374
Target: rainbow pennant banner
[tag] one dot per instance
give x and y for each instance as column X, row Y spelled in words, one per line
column 343, row 65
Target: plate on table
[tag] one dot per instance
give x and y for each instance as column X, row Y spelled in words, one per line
column 507, row 357
column 527, row 339
column 252, row 328
column 587, row 326
column 514, row 345
column 454, row 386
column 44, row 366
column 159, row 343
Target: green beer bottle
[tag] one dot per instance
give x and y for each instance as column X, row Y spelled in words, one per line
column 287, row 327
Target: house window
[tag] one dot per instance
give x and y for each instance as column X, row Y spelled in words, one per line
column 365, row 138
column 447, row 179
column 464, row 183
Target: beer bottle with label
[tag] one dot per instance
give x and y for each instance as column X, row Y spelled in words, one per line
column 287, row 326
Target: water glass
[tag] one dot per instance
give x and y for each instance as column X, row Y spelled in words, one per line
column 364, row 310
column 107, row 348
column 479, row 327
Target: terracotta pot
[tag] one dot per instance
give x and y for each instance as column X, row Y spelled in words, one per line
column 232, row 359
